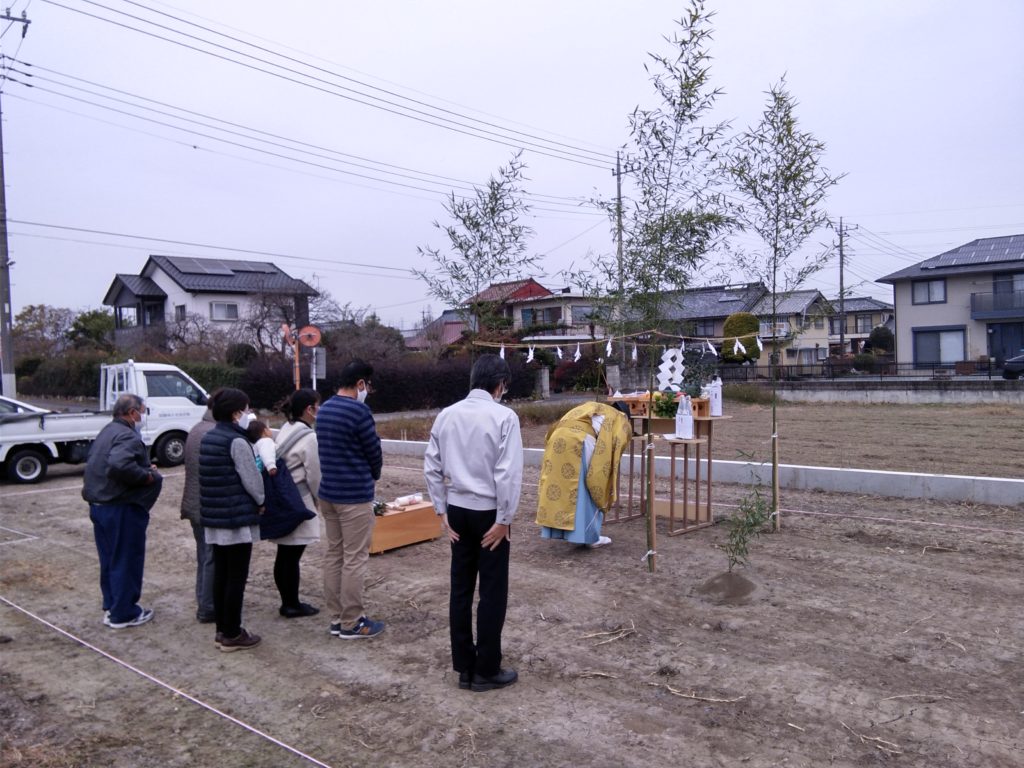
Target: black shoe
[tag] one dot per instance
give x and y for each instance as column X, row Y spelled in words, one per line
column 465, row 680
column 297, row 612
column 499, row 680
column 202, row 619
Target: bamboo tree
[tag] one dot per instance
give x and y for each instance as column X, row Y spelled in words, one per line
column 674, row 216
column 777, row 167
column 487, row 242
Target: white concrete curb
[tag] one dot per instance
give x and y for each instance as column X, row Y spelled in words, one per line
column 998, row 491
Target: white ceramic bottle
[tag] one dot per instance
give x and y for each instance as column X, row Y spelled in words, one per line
column 715, row 391
column 684, row 419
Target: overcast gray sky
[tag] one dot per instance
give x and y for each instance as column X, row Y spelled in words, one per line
column 920, row 103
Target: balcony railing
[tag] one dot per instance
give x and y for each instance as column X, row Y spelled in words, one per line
column 1003, row 305
column 770, row 330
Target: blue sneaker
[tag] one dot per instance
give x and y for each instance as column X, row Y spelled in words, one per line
column 364, row 628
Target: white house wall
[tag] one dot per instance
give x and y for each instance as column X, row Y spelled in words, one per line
column 956, row 311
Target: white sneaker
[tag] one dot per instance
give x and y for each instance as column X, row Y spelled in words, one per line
column 142, row 618
column 602, row 541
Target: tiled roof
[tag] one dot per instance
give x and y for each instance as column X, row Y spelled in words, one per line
column 227, row 276
column 861, row 304
column 444, row 330
column 792, row 303
column 516, row 289
column 138, row 286
column 713, row 301
column 985, row 254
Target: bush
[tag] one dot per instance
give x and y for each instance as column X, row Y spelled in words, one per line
column 72, row 374
column 267, row 382
column 881, row 339
column 240, row 355
column 586, row 375
column 212, row 376
column 864, row 362
column 744, row 326
column 27, row 366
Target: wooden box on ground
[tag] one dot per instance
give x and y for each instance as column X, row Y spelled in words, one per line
column 399, row 528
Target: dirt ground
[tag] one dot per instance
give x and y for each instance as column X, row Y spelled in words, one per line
column 866, row 643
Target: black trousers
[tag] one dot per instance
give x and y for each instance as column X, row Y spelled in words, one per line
column 469, row 560
column 230, row 572
column 286, row 573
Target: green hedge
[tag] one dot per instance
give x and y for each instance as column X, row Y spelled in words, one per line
column 73, row 374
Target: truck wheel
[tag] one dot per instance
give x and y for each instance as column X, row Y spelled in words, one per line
column 26, row 466
column 170, row 449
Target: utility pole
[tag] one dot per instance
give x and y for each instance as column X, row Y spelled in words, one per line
column 7, row 377
column 842, row 296
column 618, row 246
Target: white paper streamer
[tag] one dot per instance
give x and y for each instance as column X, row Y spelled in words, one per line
column 760, row 346
column 738, row 348
column 608, row 348
column 711, row 347
column 529, row 355
column 576, row 357
column 634, row 353
column 558, row 351
column 501, row 352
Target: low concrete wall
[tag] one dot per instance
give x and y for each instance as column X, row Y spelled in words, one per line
column 905, row 391
column 908, row 485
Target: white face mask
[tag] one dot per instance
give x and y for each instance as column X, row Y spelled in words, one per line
column 245, row 419
column 361, row 394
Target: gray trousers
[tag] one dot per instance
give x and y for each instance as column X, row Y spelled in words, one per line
column 204, row 575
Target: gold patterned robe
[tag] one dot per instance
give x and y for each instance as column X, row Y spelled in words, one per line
column 563, row 458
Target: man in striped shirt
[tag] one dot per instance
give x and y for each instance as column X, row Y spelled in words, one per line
column 350, row 464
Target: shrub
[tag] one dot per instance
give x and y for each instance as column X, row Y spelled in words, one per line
column 213, row 375
column 72, row 374
column 746, row 524
column 240, row 355
column 881, row 339
column 744, row 326
column 864, row 362
column 27, row 366
column 585, row 375
column 267, row 382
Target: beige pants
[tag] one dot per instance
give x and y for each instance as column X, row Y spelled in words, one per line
column 348, row 527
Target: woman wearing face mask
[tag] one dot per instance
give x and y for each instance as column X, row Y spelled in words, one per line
column 298, row 441
column 231, row 498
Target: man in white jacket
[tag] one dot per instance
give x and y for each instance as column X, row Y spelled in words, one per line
column 474, row 471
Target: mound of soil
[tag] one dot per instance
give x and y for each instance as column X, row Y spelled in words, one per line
column 729, row 588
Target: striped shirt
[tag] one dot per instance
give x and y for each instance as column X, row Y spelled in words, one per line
column 349, row 448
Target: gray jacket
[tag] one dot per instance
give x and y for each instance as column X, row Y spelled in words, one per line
column 190, row 496
column 118, row 470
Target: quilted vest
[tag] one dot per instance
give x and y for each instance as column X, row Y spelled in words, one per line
column 223, row 501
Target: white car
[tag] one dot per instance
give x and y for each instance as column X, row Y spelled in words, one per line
column 9, row 405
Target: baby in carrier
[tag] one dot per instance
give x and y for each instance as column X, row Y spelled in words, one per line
column 262, row 438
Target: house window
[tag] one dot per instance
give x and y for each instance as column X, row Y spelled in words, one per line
column 223, row 310
column 929, row 291
column 819, row 322
column 582, row 315
column 704, row 328
column 834, row 325
column 939, row 346
column 529, row 317
column 821, row 352
column 179, row 312
column 863, row 323
column 551, row 315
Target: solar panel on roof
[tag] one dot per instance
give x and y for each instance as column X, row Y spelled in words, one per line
column 992, row 250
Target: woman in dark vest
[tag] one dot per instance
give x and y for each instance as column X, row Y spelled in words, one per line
column 231, row 500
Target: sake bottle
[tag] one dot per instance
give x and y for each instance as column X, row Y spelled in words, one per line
column 684, row 419
column 715, row 390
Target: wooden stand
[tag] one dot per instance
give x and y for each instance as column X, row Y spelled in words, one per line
column 401, row 527
column 695, row 515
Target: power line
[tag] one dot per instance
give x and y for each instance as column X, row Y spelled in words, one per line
column 208, row 246
column 102, row 244
column 602, row 155
column 480, row 133
column 553, row 198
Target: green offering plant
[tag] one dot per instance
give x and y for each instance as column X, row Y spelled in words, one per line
column 665, row 405
column 746, row 524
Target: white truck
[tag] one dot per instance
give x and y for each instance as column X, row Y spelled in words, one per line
column 31, row 441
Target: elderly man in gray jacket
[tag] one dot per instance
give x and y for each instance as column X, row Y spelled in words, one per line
column 190, row 512
column 121, row 487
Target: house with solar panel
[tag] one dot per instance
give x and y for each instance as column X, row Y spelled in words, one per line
column 966, row 304
column 220, row 292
